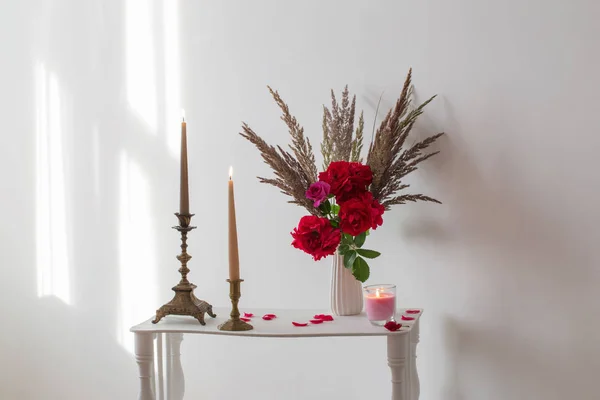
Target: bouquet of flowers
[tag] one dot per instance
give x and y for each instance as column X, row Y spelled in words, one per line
column 349, row 198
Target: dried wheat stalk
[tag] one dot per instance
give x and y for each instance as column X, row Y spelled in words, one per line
column 338, row 130
column 388, row 159
column 357, row 142
column 300, row 145
column 290, row 176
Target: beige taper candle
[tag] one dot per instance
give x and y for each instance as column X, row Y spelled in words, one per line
column 184, row 194
column 234, row 259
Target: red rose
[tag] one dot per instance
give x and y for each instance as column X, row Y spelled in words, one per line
column 377, row 211
column 356, row 216
column 316, row 237
column 360, row 175
column 337, row 176
column 347, row 179
column 359, row 214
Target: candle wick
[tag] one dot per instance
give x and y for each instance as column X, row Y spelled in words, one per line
column 182, row 119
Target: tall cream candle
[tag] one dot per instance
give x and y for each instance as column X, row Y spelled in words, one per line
column 184, row 194
column 234, row 259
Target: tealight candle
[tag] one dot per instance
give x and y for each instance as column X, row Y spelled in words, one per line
column 380, row 303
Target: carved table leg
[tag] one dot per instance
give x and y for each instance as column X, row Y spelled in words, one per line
column 175, row 378
column 397, row 349
column 160, row 364
column 415, row 386
column 144, row 355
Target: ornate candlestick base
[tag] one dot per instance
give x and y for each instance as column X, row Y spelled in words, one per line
column 235, row 323
column 185, row 302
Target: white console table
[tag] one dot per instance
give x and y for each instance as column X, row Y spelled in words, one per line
column 170, row 385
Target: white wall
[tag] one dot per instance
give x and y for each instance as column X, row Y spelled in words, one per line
column 507, row 267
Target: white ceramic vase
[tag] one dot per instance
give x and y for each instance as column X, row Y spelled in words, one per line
column 346, row 292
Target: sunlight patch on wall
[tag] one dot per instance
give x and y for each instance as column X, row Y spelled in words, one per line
column 52, row 253
column 137, row 258
column 172, row 75
column 96, row 160
column 140, row 59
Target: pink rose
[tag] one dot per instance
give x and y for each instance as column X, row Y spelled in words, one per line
column 318, row 192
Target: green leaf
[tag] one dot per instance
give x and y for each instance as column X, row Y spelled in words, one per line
column 360, row 269
column 335, row 209
column 368, row 253
column 349, row 258
column 343, row 249
column 360, row 239
column 347, row 239
column 334, row 223
column 325, row 207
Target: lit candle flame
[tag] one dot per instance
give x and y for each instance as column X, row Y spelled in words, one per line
column 230, row 172
column 183, row 115
column 377, row 293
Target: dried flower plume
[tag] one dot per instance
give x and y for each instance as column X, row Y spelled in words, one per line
column 388, row 156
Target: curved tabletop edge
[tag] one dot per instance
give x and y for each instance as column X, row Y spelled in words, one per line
column 280, row 327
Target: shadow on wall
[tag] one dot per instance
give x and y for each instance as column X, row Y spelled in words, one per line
column 99, row 166
column 524, row 332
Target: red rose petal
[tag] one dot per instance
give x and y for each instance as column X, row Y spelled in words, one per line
column 248, row 315
column 271, row 315
column 299, row 324
column 413, row 311
column 245, row 319
column 267, row 318
column 405, row 318
column 323, row 317
column 316, row 321
column 392, row 326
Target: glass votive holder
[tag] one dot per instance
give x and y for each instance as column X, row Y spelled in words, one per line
column 380, row 303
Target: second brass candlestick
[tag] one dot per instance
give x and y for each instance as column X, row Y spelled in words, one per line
column 235, row 323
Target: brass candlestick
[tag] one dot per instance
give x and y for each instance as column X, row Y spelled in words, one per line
column 185, row 302
column 235, row 323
